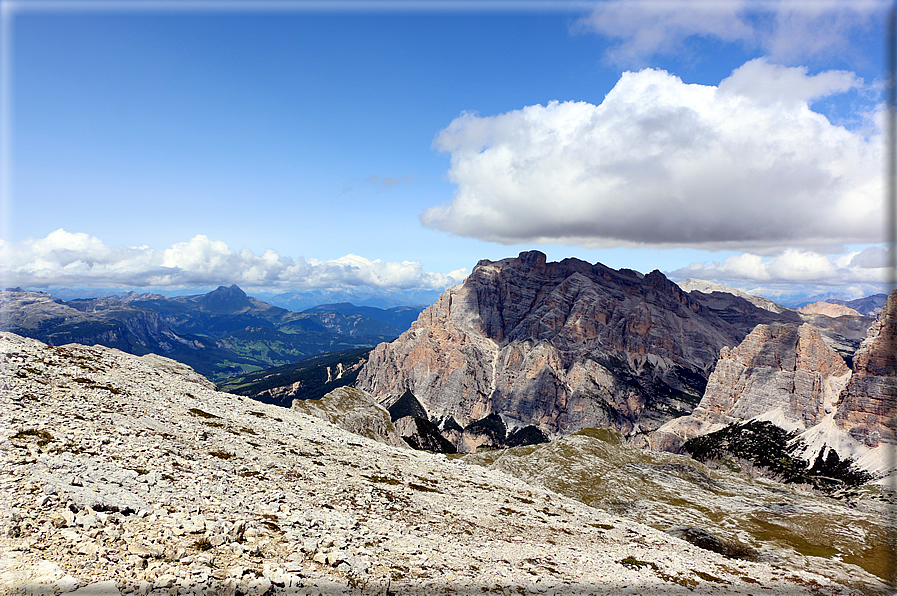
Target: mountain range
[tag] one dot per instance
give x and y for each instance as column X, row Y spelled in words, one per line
column 868, row 306
column 220, row 334
column 570, row 345
column 524, row 351
column 570, row 396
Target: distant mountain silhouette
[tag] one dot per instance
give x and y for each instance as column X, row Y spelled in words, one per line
column 220, row 334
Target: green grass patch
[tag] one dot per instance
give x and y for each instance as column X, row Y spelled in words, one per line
column 767, row 531
column 201, row 414
column 202, row 544
column 879, row 560
column 608, row 435
column 42, row 437
column 633, row 563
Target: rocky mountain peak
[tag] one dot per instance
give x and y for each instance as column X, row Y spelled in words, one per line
column 828, row 309
column 559, row 345
column 225, row 299
column 789, row 375
column 231, row 291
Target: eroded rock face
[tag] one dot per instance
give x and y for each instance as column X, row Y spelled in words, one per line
column 790, row 376
column 561, row 346
column 776, row 367
column 870, row 401
column 779, row 368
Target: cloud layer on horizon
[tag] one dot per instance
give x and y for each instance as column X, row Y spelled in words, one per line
column 866, row 266
column 78, row 259
column 746, row 165
column 65, row 259
column 857, row 273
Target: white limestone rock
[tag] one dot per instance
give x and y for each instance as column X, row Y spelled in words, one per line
column 273, row 480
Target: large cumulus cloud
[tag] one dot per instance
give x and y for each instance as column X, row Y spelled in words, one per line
column 746, row 165
column 65, row 258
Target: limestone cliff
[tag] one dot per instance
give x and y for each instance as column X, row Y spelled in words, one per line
column 561, row 346
column 780, row 371
column 870, row 401
column 828, row 309
column 776, row 367
column 790, row 376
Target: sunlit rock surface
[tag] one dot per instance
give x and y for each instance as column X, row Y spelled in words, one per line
column 789, row 376
column 562, row 346
column 132, row 475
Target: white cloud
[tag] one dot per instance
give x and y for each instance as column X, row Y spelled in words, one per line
column 770, row 84
column 742, row 166
column 77, row 259
column 785, row 30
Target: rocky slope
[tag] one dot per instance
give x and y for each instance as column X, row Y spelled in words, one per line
column 561, row 346
column 869, row 411
column 729, row 512
column 828, row 309
column 708, row 287
column 353, row 410
column 790, row 376
column 132, row 475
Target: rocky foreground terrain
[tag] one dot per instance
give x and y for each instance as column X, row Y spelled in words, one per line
column 133, row 475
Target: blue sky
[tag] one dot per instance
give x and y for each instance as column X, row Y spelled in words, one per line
column 393, row 145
